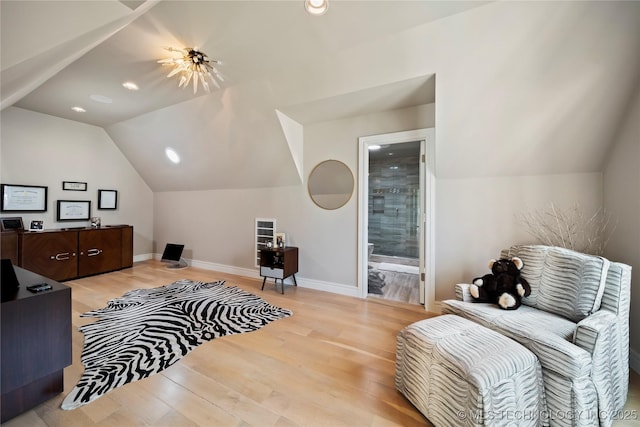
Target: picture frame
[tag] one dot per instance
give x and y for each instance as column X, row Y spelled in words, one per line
column 23, row 198
column 280, row 240
column 74, row 186
column 73, row 210
column 11, row 224
column 107, row 199
column 37, row 225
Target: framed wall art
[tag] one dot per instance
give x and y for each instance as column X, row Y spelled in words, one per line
column 74, row 186
column 37, row 225
column 73, row 210
column 23, row 198
column 11, row 224
column 107, row 199
column 281, row 239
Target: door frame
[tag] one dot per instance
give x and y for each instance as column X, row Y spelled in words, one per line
column 427, row 258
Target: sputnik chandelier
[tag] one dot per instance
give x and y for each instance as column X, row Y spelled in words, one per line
column 193, row 66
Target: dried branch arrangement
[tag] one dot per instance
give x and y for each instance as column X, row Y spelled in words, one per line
column 570, row 228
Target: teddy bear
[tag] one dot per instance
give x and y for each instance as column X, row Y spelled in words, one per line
column 503, row 286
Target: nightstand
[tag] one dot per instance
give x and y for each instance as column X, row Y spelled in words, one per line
column 279, row 263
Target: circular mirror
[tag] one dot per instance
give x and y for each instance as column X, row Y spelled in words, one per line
column 330, row 184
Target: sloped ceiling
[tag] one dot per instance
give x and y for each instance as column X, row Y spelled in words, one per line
column 230, row 138
column 513, row 77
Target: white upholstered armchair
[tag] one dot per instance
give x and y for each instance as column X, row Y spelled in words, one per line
column 576, row 321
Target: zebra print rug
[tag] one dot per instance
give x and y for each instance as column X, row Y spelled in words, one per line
column 148, row 330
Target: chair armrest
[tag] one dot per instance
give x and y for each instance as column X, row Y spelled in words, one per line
column 599, row 335
column 595, row 332
column 462, row 292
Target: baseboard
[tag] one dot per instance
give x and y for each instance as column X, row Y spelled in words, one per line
column 142, row 257
column 238, row 271
column 634, row 360
column 336, row 288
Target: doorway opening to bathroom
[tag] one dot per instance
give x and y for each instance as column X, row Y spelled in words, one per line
column 396, row 197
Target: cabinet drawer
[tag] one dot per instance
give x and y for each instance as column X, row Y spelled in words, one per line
column 276, row 273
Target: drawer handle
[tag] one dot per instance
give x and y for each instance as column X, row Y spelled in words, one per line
column 94, row 252
column 61, row 256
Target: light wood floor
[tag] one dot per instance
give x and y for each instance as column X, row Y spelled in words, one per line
column 330, row 364
column 402, row 287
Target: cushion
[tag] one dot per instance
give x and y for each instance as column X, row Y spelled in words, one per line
column 547, row 335
column 525, row 320
column 562, row 281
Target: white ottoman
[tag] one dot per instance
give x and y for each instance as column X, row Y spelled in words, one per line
column 459, row 373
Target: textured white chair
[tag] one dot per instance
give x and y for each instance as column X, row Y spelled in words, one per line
column 576, row 321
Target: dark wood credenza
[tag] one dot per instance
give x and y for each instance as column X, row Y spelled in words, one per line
column 36, row 344
column 71, row 253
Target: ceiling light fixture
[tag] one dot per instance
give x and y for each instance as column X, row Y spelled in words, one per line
column 130, row 86
column 78, row 109
column 316, row 7
column 193, row 65
column 172, row 155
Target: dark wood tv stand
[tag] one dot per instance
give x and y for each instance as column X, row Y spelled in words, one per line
column 279, row 263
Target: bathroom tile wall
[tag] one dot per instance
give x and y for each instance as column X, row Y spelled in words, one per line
column 393, row 204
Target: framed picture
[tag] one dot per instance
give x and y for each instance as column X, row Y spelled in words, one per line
column 23, row 198
column 107, row 199
column 281, row 240
column 37, row 225
column 11, row 224
column 74, row 186
column 73, row 210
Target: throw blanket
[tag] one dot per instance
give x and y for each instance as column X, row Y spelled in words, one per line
column 148, row 330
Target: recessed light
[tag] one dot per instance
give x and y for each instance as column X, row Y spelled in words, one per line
column 172, row 155
column 78, row 109
column 316, row 7
column 374, row 147
column 101, row 98
column 130, row 85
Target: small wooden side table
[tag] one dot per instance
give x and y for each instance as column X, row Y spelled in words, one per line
column 279, row 263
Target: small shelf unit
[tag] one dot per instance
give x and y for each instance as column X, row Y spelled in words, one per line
column 265, row 232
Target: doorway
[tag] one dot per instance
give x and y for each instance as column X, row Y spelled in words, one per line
column 395, row 205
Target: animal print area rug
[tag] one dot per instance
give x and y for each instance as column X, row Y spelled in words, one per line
column 148, row 330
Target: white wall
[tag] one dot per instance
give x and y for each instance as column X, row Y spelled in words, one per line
column 217, row 226
column 622, row 198
column 477, row 217
column 38, row 149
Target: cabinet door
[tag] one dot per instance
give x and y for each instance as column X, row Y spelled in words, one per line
column 9, row 246
column 51, row 254
column 100, row 251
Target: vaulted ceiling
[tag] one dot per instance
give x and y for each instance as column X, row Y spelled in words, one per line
column 281, row 66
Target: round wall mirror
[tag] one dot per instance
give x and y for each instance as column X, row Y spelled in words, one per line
column 330, row 184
